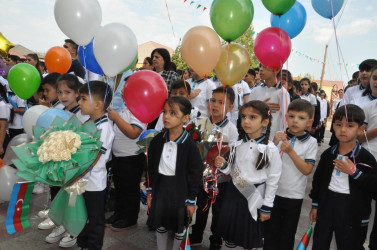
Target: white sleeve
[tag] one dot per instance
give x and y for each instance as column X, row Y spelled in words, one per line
column 210, row 86
column 245, row 88
column 4, row 111
column 3, row 81
column 160, row 124
column 311, row 152
column 273, row 176
column 135, row 122
column 285, row 100
column 20, row 103
column 313, row 100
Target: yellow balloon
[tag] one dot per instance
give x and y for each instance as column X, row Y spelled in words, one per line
column 233, row 64
column 201, row 49
column 5, row 46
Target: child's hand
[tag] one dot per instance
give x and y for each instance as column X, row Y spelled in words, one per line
column 219, row 161
column 286, row 146
column 274, row 107
column 345, row 167
column 313, row 215
column 190, row 211
column 264, row 217
column 113, row 115
column 149, row 200
column 195, row 93
column 279, row 136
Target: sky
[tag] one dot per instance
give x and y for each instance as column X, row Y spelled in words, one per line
column 32, row 24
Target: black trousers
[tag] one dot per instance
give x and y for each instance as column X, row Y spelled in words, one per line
column 13, row 132
column 126, row 176
column 91, row 236
column 334, row 216
column 322, row 131
column 280, row 230
column 202, row 216
column 373, row 234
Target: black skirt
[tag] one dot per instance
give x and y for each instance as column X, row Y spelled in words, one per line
column 235, row 222
column 165, row 210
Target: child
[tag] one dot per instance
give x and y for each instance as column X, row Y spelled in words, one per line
column 300, row 151
column 6, row 115
column 180, row 88
column 175, row 171
column 18, row 107
column 217, row 122
column 255, row 174
column 127, row 167
column 95, row 106
column 276, row 97
column 306, row 92
column 68, row 87
column 342, row 202
column 48, row 84
column 370, row 92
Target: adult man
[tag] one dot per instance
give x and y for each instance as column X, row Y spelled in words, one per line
column 76, row 66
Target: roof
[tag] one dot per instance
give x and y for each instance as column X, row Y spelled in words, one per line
column 327, row 83
column 144, row 50
column 15, row 53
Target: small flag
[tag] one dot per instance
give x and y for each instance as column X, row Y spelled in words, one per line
column 305, row 239
column 18, row 207
column 185, row 243
column 191, row 2
column 199, row 6
column 204, row 8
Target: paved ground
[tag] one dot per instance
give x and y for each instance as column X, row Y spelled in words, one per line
column 134, row 239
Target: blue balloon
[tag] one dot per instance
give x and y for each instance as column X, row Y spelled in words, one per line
column 147, row 132
column 323, row 7
column 46, row 118
column 293, row 21
column 90, row 61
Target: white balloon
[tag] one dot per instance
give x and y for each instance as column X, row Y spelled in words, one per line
column 31, row 116
column 115, row 48
column 8, row 178
column 78, row 19
column 10, row 155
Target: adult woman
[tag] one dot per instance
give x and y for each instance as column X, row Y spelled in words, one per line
column 148, row 63
column 162, row 65
column 33, row 59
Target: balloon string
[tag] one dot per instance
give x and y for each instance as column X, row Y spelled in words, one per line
column 87, row 79
column 167, row 9
column 219, row 143
column 227, row 55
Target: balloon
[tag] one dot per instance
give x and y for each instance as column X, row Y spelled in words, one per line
column 278, row 7
column 115, row 47
column 9, row 155
column 5, row 46
column 8, row 178
column 201, row 49
column 24, row 79
column 324, row 8
column 145, row 93
column 146, row 133
column 131, row 65
column 78, row 19
column 31, row 116
column 292, row 22
column 58, row 59
column 88, row 60
column 233, row 64
column 272, row 47
column 231, row 19
column 46, row 118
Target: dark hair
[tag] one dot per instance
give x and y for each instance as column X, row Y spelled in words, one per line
column 308, row 80
column 355, row 75
column 173, row 66
column 35, row 58
column 297, row 84
column 183, row 103
column 3, row 94
column 99, row 90
column 263, row 109
column 367, row 65
column 70, row 80
column 180, row 73
column 286, row 75
column 256, row 69
column 229, row 93
column 368, row 89
column 314, row 86
column 181, row 84
column 149, row 60
column 352, row 112
column 251, row 72
column 165, row 56
column 43, row 65
column 14, row 58
column 50, row 79
column 73, row 44
column 301, row 105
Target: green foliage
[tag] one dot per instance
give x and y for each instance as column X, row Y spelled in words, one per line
column 177, row 58
column 307, row 75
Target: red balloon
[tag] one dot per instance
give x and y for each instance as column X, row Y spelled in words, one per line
column 272, row 47
column 58, row 60
column 145, row 93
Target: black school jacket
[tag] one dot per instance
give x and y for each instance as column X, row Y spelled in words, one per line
column 360, row 190
column 189, row 166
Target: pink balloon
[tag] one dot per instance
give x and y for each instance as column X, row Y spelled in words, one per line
column 272, row 47
column 145, row 93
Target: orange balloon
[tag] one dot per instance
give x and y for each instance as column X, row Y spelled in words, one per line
column 58, row 59
column 233, row 64
column 201, row 49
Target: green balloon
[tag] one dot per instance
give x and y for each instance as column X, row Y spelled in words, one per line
column 231, row 18
column 278, row 7
column 131, row 65
column 24, row 80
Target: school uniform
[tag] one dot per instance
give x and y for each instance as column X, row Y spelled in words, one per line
column 277, row 94
column 16, row 128
column 57, row 105
column 230, row 135
column 4, row 116
column 280, row 230
column 77, row 112
column 343, row 202
column 127, row 168
column 201, row 101
column 310, row 98
column 363, row 101
column 175, row 171
column 95, row 191
column 352, row 94
column 324, row 114
column 194, row 115
column 251, row 191
column 241, row 89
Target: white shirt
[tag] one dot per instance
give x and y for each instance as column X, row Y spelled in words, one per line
column 335, row 104
column 201, row 101
column 241, row 89
column 17, row 103
column 58, row 105
column 363, row 101
column 227, row 128
column 277, row 95
column 370, row 111
column 193, row 118
column 77, row 112
column 292, row 183
column 339, row 181
column 323, row 104
column 123, row 145
column 5, row 110
column 352, row 94
column 310, row 98
column 98, row 175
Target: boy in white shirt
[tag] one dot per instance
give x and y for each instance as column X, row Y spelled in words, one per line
column 18, row 105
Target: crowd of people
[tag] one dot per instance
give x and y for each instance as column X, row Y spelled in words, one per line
column 272, row 125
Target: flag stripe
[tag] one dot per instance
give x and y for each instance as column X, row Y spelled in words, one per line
column 18, row 207
column 11, row 206
column 305, row 240
column 25, row 206
column 301, row 246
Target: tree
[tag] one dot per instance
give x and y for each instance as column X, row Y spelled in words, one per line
column 177, row 58
column 307, row 75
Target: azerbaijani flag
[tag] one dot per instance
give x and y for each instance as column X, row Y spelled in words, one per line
column 305, row 239
column 185, row 244
column 18, row 207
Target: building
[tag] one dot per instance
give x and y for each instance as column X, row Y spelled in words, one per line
column 144, row 50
